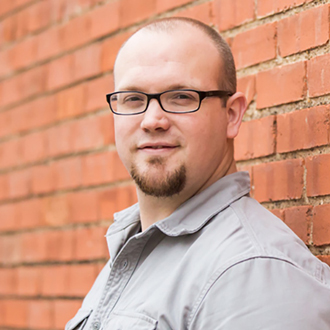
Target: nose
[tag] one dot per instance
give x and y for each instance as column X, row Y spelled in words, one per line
column 155, row 118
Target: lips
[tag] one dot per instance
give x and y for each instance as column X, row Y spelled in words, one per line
column 159, row 145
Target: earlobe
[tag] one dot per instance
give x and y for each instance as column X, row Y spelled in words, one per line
column 236, row 107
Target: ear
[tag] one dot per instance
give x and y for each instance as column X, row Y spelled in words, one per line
column 236, row 107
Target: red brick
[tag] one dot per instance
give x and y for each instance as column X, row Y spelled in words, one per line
column 8, row 217
column 10, row 249
column 83, row 206
column 23, row 54
column 71, row 102
column 318, row 178
column 33, row 115
column 6, row 124
column 81, row 279
column 104, row 20
column 29, row 213
column 38, row 16
column 10, row 153
column 298, row 218
column 247, row 85
column 13, row 309
column 256, row 138
column 115, row 199
column 132, row 11
column 201, row 12
column 4, row 186
column 314, row 123
column 60, row 245
column 92, row 132
column 64, row 311
column 26, row 84
column 87, row 62
column 68, row 173
column 254, row 46
column 103, row 168
column 164, row 5
column 231, row 13
column 59, row 139
column 8, row 281
column 268, row 7
column 91, row 243
column 110, row 48
column 43, row 179
column 308, row 29
column 49, row 44
column 55, row 210
column 28, row 281
column 60, row 72
column 96, row 91
column 321, row 225
column 41, row 314
column 55, row 280
column 33, row 147
column 34, row 247
column 278, row 213
column 281, row 85
column 75, row 33
column 279, row 180
column 325, row 258
column 20, row 184
column 318, row 71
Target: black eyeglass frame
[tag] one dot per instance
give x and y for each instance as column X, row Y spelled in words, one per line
column 202, row 96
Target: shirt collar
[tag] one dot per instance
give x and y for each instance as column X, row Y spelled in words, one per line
column 194, row 213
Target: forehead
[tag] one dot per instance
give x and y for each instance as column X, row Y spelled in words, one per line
column 184, row 51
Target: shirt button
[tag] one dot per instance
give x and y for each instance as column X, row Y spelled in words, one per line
column 96, row 325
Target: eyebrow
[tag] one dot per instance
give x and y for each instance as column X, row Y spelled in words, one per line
column 170, row 87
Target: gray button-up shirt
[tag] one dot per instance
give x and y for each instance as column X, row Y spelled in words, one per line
column 220, row 261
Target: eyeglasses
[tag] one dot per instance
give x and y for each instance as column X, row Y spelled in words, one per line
column 173, row 101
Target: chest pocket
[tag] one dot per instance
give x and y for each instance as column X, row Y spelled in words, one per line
column 130, row 320
column 79, row 321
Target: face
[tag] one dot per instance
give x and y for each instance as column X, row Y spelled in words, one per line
column 169, row 154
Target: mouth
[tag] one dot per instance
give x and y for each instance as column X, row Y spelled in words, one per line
column 157, row 147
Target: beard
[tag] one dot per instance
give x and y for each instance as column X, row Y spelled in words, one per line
column 166, row 185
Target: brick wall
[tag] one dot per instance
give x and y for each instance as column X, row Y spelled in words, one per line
column 60, row 177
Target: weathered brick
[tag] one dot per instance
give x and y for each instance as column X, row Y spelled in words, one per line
column 256, row 138
column 102, row 168
column 280, row 180
column 65, row 310
column 281, row 85
column 132, row 11
column 164, row 5
column 115, row 199
column 308, row 29
column 318, row 71
column 200, row 12
column 254, row 46
column 321, row 225
column 298, row 218
column 231, row 13
column 268, row 7
column 318, row 178
column 314, row 123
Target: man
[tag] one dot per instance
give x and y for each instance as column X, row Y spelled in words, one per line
column 196, row 252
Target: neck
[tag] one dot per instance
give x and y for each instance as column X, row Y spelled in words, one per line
column 153, row 209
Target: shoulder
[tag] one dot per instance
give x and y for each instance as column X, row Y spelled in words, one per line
column 263, row 293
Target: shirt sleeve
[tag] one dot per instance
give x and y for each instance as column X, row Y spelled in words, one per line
column 264, row 293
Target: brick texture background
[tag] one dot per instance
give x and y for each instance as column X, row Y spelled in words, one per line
column 60, row 176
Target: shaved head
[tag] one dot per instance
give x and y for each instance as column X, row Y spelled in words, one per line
column 172, row 25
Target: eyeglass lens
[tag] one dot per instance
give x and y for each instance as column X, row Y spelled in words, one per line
column 174, row 101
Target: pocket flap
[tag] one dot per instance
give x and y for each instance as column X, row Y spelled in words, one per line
column 79, row 320
column 131, row 320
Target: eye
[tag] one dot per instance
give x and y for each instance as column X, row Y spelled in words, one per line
column 133, row 98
